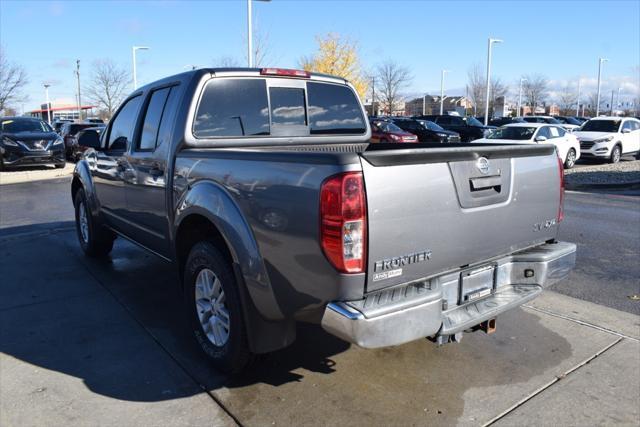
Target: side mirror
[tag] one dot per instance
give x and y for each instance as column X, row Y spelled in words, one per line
column 626, row 130
column 90, row 139
column 541, row 138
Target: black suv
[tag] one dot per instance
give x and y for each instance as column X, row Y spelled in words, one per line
column 68, row 134
column 424, row 133
column 26, row 141
column 469, row 128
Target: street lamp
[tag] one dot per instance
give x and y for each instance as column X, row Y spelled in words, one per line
column 250, row 32
column 578, row 98
column 486, row 107
column 442, row 91
column 522, row 80
column 46, row 91
column 600, row 61
column 133, row 51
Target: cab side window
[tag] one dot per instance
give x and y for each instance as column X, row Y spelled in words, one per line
column 153, row 115
column 544, row 131
column 628, row 125
column 123, row 125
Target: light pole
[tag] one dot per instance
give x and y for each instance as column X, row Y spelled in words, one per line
column 442, row 91
column 77, row 73
column 522, row 80
column 578, row 98
column 486, row 107
column 250, row 33
column 133, row 51
column 600, row 61
column 46, row 91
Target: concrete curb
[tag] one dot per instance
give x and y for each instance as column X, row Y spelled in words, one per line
column 21, row 176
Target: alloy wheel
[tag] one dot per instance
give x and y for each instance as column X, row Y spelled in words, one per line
column 210, row 307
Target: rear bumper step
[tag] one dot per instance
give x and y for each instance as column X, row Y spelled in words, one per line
column 519, row 278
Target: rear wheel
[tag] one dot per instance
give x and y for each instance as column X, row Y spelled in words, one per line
column 60, row 165
column 214, row 308
column 571, row 159
column 615, row 154
column 95, row 240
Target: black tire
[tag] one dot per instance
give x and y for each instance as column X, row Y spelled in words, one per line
column 570, row 161
column 616, row 153
column 233, row 355
column 60, row 165
column 99, row 240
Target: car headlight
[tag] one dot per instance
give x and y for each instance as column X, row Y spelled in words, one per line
column 442, row 135
column 58, row 141
column 9, row 141
column 396, row 137
column 607, row 139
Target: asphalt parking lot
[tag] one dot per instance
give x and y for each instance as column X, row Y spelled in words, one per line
column 88, row 342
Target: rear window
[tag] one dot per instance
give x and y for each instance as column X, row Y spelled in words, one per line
column 244, row 107
column 334, row 109
column 233, row 107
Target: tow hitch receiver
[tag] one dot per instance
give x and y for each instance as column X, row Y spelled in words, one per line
column 488, row 326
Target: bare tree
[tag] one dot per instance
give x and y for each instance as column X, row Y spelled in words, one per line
column 107, row 86
column 535, row 90
column 261, row 49
column 567, row 100
column 592, row 101
column 12, row 79
column 477, row 88
column 226, row 61
column 391, row 79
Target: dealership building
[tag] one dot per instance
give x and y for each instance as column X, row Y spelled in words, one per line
column 61, row 111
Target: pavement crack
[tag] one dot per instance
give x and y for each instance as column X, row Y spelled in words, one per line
column 555, row 380
column 581, row 322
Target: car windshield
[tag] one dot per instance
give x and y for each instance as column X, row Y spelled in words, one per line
column 519, row 133
column 472, row 121
column 553, row 121
column 601, row 126
column 431, row 125
column 389, row 127
column 24, row 126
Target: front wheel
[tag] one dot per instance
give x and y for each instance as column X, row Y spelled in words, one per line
column 214, row 308
column 571, row 159
column 60, row 165
column 615, row 154
column 95, row 240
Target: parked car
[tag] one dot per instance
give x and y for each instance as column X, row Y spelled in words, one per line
column 29, row 142
column 504, row 121
column 467, row 127
column 551, row 121
column 582, row 120
column 568, row 120
column 57, row 124
column 82, row 137
column 609, row 138
column 94, row 120
column 451, row 136
column 566, row 143
column 68, row 134
column 424, row 133
column 387, row 131
column 268, row 221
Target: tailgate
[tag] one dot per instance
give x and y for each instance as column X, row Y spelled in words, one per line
column 436, row 209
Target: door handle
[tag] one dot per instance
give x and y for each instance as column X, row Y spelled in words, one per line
column 484, row 183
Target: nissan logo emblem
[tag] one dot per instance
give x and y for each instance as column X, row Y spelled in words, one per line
column 483, row 165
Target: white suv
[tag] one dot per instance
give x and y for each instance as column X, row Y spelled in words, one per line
column 609, row 138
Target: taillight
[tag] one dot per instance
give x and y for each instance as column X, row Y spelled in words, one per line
column 284, row 72
column 343, row 221
column 561, row 207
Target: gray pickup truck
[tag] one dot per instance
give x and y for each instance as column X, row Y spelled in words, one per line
column 261, row 187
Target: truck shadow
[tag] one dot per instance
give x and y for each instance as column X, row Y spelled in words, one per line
column 118, row 325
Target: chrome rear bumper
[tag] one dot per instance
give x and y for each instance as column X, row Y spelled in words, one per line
column 396, row 316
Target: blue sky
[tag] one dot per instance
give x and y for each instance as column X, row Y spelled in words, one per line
column 561, row 40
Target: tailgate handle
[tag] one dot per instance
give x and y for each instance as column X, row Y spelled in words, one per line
column 483, row 183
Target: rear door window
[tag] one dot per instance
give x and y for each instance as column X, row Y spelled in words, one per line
column 334, row 109
column 233, row 108
column 152, row 118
